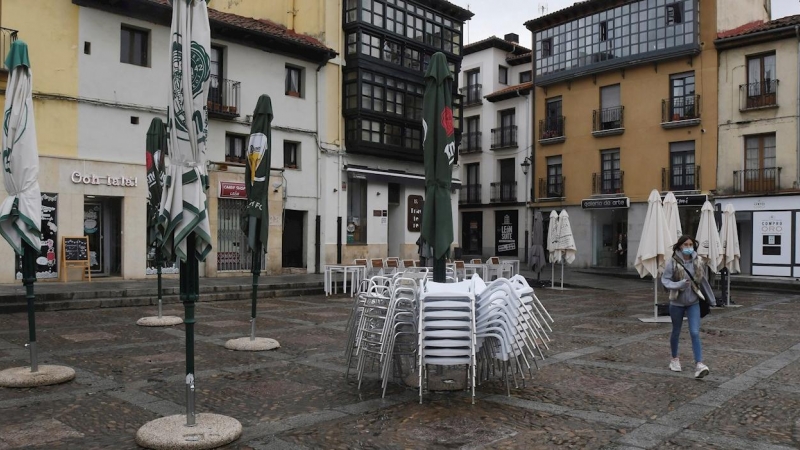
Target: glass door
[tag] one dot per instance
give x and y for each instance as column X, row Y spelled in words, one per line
column 93, row 229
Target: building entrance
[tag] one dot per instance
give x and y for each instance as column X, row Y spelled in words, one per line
column 102, row 222
column 610, row 238
column 293, row 234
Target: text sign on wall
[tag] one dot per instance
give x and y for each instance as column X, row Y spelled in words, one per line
column 690, row 200
column 232, row 189
column 506, row 229
column 606, row 203
column 105, row 180
column 772, row 237
column 414, row 213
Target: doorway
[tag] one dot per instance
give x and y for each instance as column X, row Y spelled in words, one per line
column 294, row 231
column 472, row 233
column 395, row 236
column 102, row 224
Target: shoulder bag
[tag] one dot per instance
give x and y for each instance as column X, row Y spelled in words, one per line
column 705, row 307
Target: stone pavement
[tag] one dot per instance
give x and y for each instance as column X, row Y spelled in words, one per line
column 605, row 384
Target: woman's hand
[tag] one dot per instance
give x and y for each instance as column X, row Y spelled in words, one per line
column 686, row 284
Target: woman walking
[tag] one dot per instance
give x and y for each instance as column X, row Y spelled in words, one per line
column 684, row 298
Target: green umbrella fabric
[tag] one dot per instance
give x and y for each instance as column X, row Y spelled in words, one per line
column 156, row 148
column 184, row 204
column 439, row 152
column 256, row 172
column 21, row 211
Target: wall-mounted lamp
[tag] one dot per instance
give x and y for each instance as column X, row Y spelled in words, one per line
column 526, row 164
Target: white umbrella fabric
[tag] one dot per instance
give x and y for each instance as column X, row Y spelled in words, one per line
column 673, row 218
column 709, row 245
column 566, row 242
column 730, row 245
column 552, row 241
column 654, row 246
column 21, row 211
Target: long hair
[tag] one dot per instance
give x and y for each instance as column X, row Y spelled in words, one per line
column 682, row 240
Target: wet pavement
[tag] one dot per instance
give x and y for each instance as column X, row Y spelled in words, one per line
column 604, row 385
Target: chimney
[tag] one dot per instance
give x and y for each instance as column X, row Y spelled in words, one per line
column 512, row 37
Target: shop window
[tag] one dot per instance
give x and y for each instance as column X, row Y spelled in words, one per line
column 503, row 75
column 235, row 148
column 133, row 48
column 291, row 155
column 294, row 78
column 357, row 211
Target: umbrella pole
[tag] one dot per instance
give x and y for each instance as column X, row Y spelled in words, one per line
column 552, row 275
column 159, row 263
column 256, row 269
column 655, row 295
column 189, row 290
column 562, row 273
column 28, row 278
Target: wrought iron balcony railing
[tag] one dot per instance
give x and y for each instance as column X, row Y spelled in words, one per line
column 680, row 109
column 472, row 94
column 680, row 178
column 470, row 194
column 552, row 187
column 504, row 191
column 224, row 97
column 758, row 95
column 7, row 36
column 551, row 128
column 608, row 182
column 608, row 119
column 471, row 142
column 757, row 181
column 504, row 137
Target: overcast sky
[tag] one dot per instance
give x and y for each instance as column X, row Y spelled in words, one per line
column 498, row 17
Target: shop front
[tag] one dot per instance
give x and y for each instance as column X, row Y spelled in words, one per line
column 689, row 209
column 769, row 234
column 609, row 230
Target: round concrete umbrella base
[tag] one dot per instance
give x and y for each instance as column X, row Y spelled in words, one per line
column 256, row 345
column 171, row 432
column 163, row 321
column 22, row 377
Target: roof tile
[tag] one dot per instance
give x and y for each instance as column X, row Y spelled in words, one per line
column 758, row 26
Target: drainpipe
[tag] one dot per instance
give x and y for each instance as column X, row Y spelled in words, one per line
column 797, row 120
column 317, row 219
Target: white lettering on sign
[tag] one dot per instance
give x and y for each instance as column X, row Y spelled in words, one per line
column 450, row 151
column 105, row 180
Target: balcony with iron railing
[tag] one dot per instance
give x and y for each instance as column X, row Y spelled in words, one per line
column 472, row 94
column 470, row 194
column 683, row 178
column 504, row 192
column 470, row 142
column 551, row 130
column 7, row 36
column 224, row 98
column 608, row 121
column 757, row 181
column 758, row 95
column 608, row 182
column 552, row 187
column 680, row 112
column 504, row 137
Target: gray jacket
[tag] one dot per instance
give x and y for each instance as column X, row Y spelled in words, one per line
column 674, row 276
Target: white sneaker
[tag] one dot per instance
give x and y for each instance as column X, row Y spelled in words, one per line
column 701, row 371
column 675, row 365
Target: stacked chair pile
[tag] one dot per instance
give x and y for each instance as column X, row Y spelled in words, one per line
column 500, row 328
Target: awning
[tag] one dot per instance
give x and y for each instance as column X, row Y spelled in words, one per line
column 392, row 176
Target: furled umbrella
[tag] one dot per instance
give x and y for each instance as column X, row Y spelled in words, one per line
column 566, row 242
column 536, row 257
column 673, row 218
column 552, row 244
column 439, row 152
column 709, row 247
column 255, row 220
column 155, row 151
column 654, row 247
column 730, row 246
column 21, row 211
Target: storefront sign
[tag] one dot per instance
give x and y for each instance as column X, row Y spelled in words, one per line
column 775, row 203
column 772, row 237
column 690, row 200
column 506, row 229
column 47, row 262
column 414, row 212
column 606, row 203
column 105, row 180
column 232, row 189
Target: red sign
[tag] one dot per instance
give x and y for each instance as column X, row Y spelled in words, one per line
column 447, row 120
column 232, row 189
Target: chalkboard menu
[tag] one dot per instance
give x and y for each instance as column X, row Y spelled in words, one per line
column 76, row 249
column 47, row 262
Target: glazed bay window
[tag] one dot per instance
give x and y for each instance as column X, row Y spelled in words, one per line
column 294, row 78
column 134, row 45
column 291, row 154
column 356, row 211
column 235, row 145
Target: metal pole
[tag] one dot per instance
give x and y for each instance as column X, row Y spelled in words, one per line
column 159, row 263
column 189, row 290
column 655, row 294
column 562, row 273
column 552, row 275
column 256, row 270
column 28, row 278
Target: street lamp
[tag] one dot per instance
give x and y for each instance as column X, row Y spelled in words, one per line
column 526, row 164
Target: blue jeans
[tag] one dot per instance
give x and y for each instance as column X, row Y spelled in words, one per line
column 692, row 312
